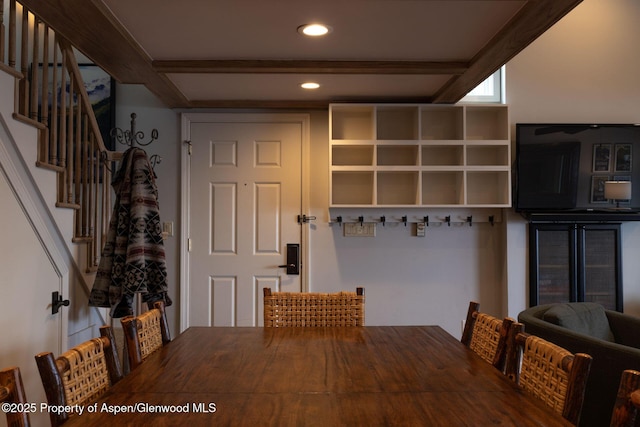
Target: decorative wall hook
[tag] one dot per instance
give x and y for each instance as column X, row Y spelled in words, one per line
column 361, row 220
column 404, row 219
column 470, row 220
column 447, row 219
column 491, row 220
column 426, row 220
column 383, row 220
column 133, row 137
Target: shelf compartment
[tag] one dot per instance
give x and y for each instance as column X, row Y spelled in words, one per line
column 352, row 123
column 488, row 155
column 442, row 123
column 397, row 123
column 443, row 188
column 352, row 188
column 397, row 155
column 352, row 155
column 397, row 188
column 442, row 155
column 487, row 123
column 488, row 188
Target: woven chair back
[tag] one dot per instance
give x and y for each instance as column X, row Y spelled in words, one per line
column 79, row 375
column 308, row 309
column 486, row 335
column 549, row 372
column 145, row 334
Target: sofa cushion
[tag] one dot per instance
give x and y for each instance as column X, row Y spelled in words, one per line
column 585, row 318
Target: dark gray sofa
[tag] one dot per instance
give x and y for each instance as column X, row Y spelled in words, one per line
column 610, row 337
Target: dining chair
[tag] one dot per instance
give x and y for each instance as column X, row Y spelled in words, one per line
column 145, row 333
column 79, row 375
column 548, row 372
column 12, row 392
column 625, row 410
column 285, row 309
column 486, row 335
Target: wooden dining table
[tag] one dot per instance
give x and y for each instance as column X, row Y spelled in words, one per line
column 349, row 376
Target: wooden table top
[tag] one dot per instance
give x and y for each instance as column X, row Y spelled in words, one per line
column 370, row 376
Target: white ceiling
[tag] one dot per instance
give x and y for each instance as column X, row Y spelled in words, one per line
column 249, row 53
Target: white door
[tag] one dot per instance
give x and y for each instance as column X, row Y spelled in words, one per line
column 28, row 279
column 245, row 195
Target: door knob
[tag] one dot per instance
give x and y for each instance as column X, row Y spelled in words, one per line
column 57, row 302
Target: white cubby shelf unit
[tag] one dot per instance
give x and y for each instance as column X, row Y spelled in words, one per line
column 424, row 155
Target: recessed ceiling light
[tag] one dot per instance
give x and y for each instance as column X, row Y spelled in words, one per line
column 310, row 85
column 314, row 30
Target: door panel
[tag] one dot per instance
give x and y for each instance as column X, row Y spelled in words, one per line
column 245, row 196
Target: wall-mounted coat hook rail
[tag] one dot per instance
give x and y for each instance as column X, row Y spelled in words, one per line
column 433, row 217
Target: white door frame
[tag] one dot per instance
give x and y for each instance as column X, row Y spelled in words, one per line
column 186, row 120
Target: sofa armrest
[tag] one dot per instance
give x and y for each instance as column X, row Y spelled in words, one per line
column 625, row 328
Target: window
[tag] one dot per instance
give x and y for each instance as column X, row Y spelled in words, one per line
column 490, row 90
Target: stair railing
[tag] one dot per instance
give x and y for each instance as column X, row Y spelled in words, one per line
column 51, row 95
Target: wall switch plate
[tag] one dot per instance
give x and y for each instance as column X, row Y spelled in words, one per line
column 167, row 229
column 356, row 229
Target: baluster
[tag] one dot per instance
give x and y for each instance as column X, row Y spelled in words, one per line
column 12, row 34
column 2, row 31
column 44, row 98
column 54, row 157
column 33, row 84
column 69, row 141
column 24, row 64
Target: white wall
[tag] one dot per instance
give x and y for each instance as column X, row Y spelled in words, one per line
column 585, row 69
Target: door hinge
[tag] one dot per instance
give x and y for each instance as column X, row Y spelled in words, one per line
column 190, row 146
column 189, row 245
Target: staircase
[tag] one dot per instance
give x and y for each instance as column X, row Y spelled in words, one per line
column 50, row 95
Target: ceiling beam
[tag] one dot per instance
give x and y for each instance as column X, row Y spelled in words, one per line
column 91, row 28
column 308, row 67
column 536, row 17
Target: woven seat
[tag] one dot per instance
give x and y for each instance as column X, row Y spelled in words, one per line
column 625, row 411
column 486, row 335
column 145, row 333
column 12, row 391
column 548, row 372
column 81, row 374
column 286, row 309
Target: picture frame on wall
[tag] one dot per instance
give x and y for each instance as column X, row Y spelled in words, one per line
column 601, row 158
column 597, row 188
column 623, row 157
column 101, row 90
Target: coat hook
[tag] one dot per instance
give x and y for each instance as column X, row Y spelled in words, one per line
column 339, row 219
column 383, row 220
column 448, row 220
column 404, row 219
column 491, row 219
column 361, row 220
column 426, row 220
column 470, row 220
